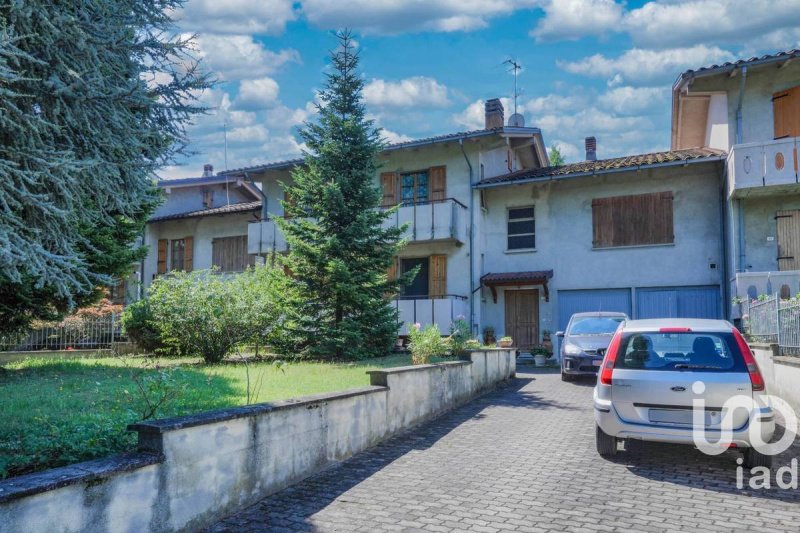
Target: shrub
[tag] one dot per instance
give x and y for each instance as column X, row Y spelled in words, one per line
column 426, row 343
column 140, row 327
column 459, row 336
column 207, row 314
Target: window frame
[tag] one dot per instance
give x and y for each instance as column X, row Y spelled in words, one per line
column 509, row 235
column 415, row 173
column 181, row 255
column 401, row 270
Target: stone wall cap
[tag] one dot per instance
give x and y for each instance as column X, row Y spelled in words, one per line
column 97, row 469
column 787, row 360
column 232, row 413
column 763, row 345
column 416, row 368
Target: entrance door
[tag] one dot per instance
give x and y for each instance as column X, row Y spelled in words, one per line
column 522, row 317
column 788, row 223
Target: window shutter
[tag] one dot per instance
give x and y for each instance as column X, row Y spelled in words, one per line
column 438, row 276
column 389, row 186
column 438, row 183
column 288, row 201
column 188, row 253
column 633, row 220
column 786, row 113
column 391, row 272
column 693, row 120
column 162, row 256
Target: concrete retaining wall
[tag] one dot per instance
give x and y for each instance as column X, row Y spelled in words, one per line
column 781, row 373
column 190, row 471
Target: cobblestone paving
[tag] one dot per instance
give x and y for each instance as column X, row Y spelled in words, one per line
column 523, row 459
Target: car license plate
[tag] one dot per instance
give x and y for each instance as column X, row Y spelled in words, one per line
column 597, row 362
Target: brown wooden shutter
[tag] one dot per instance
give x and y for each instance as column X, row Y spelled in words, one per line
column 633, row 220
column 693, row 120
column 391, row 272
column 788, row 223
column 288, row 201
column 163, row 244
column 389, row 186
column 437, row 282
column 188, row 254
column 438, row 183
column 786, row 113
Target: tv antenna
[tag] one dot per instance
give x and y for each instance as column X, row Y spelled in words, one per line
column 515, row 67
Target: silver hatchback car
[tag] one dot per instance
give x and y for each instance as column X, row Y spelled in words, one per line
column 649, row 379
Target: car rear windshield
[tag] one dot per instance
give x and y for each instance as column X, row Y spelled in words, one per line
column 595, row 325
column 706, row 352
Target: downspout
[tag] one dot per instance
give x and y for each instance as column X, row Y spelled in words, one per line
column 739, row 106
column 739, row 208
column 471, row 241
column 140, row 288
column 723, row 213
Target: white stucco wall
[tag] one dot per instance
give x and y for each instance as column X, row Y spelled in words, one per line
column 564, row 237
column 760, row 236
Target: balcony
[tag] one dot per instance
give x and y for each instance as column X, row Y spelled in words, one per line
column 441, row 310
column 750, row 285
column 434, row 221
column 763, row 168
column 264, row 237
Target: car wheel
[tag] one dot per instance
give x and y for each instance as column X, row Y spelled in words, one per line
column 566, row 377
column 753, row 458
column 606, row 444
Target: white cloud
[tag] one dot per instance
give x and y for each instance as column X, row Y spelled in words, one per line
column 393, row 137
column 573, row 19
column 416, row 92
column 634, row 100
column 249, row 134
column 398, row 16
column 237, row 16
column 682, row 23
column 257, row 94
column 240, row 57
column 646, row 67
column 472, row 117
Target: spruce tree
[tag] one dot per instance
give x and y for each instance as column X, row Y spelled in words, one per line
column 339, row 252
column 94, row 97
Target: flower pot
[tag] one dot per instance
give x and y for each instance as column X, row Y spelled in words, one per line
column 505, row 344
column 540, row 359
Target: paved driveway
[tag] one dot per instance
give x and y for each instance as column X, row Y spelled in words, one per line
column 523, row 459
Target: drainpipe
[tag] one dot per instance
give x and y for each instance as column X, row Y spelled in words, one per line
column 723, row 214
column 471, row 240
column 742, row 266
column 739, row 106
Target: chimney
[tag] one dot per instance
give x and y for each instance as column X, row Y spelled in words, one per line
column 591, row 149
column 208, row 170
column 494, row 114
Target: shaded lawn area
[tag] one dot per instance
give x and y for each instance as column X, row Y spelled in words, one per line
column 58, row 412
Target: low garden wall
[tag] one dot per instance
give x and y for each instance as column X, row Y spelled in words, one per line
column 781, row 373
column 192, row 470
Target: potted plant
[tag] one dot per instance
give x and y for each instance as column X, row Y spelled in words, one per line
column 540, row 355
column 505, row 342
column 546, row 342
column 488, row 336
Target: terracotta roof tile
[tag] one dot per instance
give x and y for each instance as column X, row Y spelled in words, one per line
column 512, row 277
column 607, row 165
column 242, row 207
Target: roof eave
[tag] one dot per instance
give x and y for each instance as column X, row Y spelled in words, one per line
column 634, row 168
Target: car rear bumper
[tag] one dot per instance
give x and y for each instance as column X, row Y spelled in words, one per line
column 609, row 421
column 580, row 365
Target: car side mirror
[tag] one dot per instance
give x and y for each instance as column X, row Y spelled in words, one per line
column 560, row 334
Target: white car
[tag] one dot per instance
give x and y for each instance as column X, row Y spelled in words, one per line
column 649, row 379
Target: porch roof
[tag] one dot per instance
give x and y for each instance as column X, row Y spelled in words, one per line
column 529, row 277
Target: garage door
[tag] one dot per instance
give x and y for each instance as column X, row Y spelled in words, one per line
column 678, row 302
column 580, row 301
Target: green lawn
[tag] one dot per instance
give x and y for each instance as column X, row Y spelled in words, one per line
column 57, row 412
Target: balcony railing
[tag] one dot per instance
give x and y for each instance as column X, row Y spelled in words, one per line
column 763, row 164
column 438, row 220
column 264, row 237
column 442, row 310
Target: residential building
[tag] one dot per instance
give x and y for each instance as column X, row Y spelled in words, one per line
column 751, row 109
column 201, row 224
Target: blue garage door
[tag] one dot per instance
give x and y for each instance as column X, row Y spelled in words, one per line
column 580, row 301
column 678, row 302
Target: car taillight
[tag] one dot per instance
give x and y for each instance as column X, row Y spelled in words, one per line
column 611, row 358
column 756, row 379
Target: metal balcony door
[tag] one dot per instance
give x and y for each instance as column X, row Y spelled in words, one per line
column 522, row 317
column 788, row 223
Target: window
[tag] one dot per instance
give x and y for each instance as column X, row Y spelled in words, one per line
column 419, row 287
column 229, row 254
column 595, row 325
column 706, row 352
column 634, row 220
column 521, row 228
column 177, row 249
column 414, row 187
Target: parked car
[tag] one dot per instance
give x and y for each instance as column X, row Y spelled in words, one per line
column 584, row 342
column 645, row 387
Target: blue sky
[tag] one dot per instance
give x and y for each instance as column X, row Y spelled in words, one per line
column 591, row 67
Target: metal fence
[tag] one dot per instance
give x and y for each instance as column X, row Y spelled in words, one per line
column 774, row 320
column 73, row 333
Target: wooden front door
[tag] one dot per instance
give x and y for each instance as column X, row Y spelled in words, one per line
column 788, row 223
column 522, row 317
